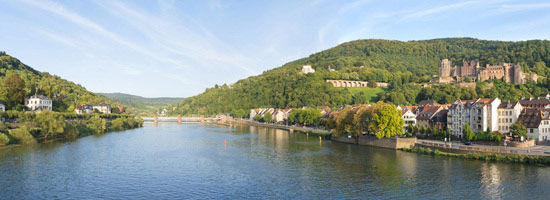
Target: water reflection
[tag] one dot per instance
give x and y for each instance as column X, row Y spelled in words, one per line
column 193, row 161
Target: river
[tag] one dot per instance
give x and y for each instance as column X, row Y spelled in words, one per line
column 190, row 161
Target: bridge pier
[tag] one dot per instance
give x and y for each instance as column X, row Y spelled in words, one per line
column 179, row 119
column 202, row 119
column 156, row 120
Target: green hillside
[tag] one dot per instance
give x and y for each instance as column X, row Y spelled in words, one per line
column 141, row 104
column 65, row 94
column 405, row 65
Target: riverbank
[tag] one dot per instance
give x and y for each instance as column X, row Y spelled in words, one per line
column 510, row 158
column 510, row 155
column 27, row 128
column 310, row 131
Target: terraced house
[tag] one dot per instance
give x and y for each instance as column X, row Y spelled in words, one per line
column 480, row 114
column 537, row 122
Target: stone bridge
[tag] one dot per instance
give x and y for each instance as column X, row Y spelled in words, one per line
column 181, row 119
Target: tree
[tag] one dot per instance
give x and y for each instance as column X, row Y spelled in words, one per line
column 468, row 133
column 268, row 117
column 388, row 120
column 359, row 98
column 4, row 139
column 51, row 122
column 518, row 129
column 97, row 124
column 344, row 121
column 15, row 91
column 372, row 83
column 22, row 135
column 362, row 119
column 238, row 113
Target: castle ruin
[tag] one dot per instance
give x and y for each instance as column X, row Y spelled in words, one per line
column 508, row 72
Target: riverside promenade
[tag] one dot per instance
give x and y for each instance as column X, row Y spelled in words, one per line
column 537, row 150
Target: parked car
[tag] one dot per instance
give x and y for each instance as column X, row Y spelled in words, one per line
column 467, row 143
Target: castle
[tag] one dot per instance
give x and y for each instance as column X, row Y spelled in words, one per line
column 510, row 73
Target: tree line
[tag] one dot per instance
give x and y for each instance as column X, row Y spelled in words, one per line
column 406, row 66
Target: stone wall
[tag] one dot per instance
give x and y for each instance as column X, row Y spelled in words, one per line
column 368, row 140
column 346, row 83
column 528, row 143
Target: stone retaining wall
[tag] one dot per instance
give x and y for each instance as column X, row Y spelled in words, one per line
column 368, row 140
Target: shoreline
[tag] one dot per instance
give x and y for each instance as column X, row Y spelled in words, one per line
column 315, row 132
column 418, row 149
column 488, row 157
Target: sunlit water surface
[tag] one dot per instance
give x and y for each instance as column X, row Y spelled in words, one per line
column 190, row 161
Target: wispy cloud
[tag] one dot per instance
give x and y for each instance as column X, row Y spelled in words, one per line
column 83, row 22
column 524, row 6
column 439, row 9
column 198, row 44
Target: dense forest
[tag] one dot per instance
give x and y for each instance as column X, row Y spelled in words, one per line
column 141, row 105
column 65, row 94
column 406, row 66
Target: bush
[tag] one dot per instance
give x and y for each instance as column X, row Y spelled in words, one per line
column 22, row 135
column 70, row 131
column 4, row 139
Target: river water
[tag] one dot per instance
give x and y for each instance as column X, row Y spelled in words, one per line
column 190, row 161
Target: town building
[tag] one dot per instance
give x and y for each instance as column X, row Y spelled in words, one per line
column 535, row 103
column 84, row 109
column 89, row 108
column 509, row 73
column 409, row 118
column 426, row 117
column 102, row 107
column 480, row 114
column 38, row 103
column 537, row 122
column 508, row 113
column 306, row 69
column 278, row 115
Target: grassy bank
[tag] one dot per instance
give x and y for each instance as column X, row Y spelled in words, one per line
column 515, row 158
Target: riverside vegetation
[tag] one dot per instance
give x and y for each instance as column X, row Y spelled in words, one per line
column 17, row 81
column 511, row 158
column 30, row 128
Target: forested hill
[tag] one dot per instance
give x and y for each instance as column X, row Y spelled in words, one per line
column 405, row 65
column 141, row 104
column 65, row 94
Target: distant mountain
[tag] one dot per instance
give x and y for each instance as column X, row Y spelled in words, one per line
column 406, row 66
column 65, row 94
column 140, row 104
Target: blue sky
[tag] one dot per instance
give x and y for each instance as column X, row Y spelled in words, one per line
column 179, row 48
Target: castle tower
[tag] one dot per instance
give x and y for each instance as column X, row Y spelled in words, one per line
column 445, row 69
column 517, row 74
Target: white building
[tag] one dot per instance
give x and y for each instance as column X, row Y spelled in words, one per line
column 102, row 107
column 480, row 114
column 89, row 108
column 83, row 109
column 278, row 115
column 409, row 118
column 37, row 103
column 537, row 122
column 306, row 69
column 508, row 113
